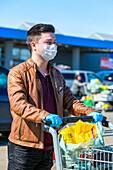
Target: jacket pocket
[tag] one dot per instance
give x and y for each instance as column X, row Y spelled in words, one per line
column 29, row 132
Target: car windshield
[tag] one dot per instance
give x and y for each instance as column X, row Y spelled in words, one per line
column 92, row 76
column 108, row 76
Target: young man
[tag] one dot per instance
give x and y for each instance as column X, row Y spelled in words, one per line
column 38, row 91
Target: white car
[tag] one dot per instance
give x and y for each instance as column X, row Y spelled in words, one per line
column 86, row 76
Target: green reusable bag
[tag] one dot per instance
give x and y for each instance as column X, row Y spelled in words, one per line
column 88, row 103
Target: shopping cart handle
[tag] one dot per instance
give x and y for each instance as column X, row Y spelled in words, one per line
column 46, row 125
column 45, row 122
column 66, row 120
column 74, row 119
column 105, row 122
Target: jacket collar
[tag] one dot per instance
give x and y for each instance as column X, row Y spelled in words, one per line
column 31, row 63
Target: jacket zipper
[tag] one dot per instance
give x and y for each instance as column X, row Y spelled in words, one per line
column 41, row 92
column 54, row 91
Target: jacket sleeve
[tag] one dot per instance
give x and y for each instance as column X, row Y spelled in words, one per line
column 18, row 99
column 72, row 105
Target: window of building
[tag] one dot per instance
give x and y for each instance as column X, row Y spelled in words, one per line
column 24, row 54
column 1, row 56
column 19, row 55
column 16, row 53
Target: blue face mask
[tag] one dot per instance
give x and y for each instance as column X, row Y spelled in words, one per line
column 50, row 52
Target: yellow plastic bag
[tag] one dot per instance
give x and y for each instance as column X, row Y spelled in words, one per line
column 107, row 105
column 104, row 87
column 79, row 133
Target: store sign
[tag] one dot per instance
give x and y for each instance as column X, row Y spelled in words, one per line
column 104, row 63
column 110, row 63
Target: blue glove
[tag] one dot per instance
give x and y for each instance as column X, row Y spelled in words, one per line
column 55, row 119
column 98, row 117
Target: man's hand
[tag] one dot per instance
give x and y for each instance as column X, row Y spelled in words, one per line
column 55, row 119
column 98, row 117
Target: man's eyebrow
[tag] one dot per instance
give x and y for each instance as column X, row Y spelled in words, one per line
column 50, row 39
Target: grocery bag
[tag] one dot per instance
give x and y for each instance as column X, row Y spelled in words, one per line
column 74, row 137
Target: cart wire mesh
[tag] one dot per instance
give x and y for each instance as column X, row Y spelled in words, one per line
column 89, row 159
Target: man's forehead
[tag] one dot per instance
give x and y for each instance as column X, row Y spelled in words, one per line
column 48, row 35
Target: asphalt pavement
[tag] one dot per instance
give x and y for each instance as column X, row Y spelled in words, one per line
column 4, row 141
column 3, row 152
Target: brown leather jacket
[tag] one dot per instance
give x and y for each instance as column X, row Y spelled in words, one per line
column 26, row 103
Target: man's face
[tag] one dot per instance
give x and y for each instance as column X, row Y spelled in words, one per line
column 45, row 39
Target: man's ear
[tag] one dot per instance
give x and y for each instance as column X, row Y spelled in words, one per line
column 33, row 45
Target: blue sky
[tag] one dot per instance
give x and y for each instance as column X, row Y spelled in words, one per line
column 71, row 17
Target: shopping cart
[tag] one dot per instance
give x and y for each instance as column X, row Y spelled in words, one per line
column 91, row 158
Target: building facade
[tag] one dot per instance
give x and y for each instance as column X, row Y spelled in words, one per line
column 76, row 52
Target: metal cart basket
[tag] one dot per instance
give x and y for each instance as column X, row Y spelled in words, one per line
column 91, row 158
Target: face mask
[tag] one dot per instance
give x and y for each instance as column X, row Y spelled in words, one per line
column 50, row 52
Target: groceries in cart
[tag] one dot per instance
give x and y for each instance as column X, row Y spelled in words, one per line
column 87, row 100
column 82, row 134
column 82, row 146
column 100, row 99
column 92, row 152
column 95, row 86
column 104, row 105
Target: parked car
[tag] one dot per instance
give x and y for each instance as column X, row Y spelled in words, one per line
column 5, row 116
column 86, row 76
column 106, row 76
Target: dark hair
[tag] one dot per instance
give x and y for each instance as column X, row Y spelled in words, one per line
column 76, row 77
column 35, row 32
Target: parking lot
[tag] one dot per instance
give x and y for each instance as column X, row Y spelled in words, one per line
column 4, row 141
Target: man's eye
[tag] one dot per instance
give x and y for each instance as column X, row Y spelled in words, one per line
column 48, row 43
